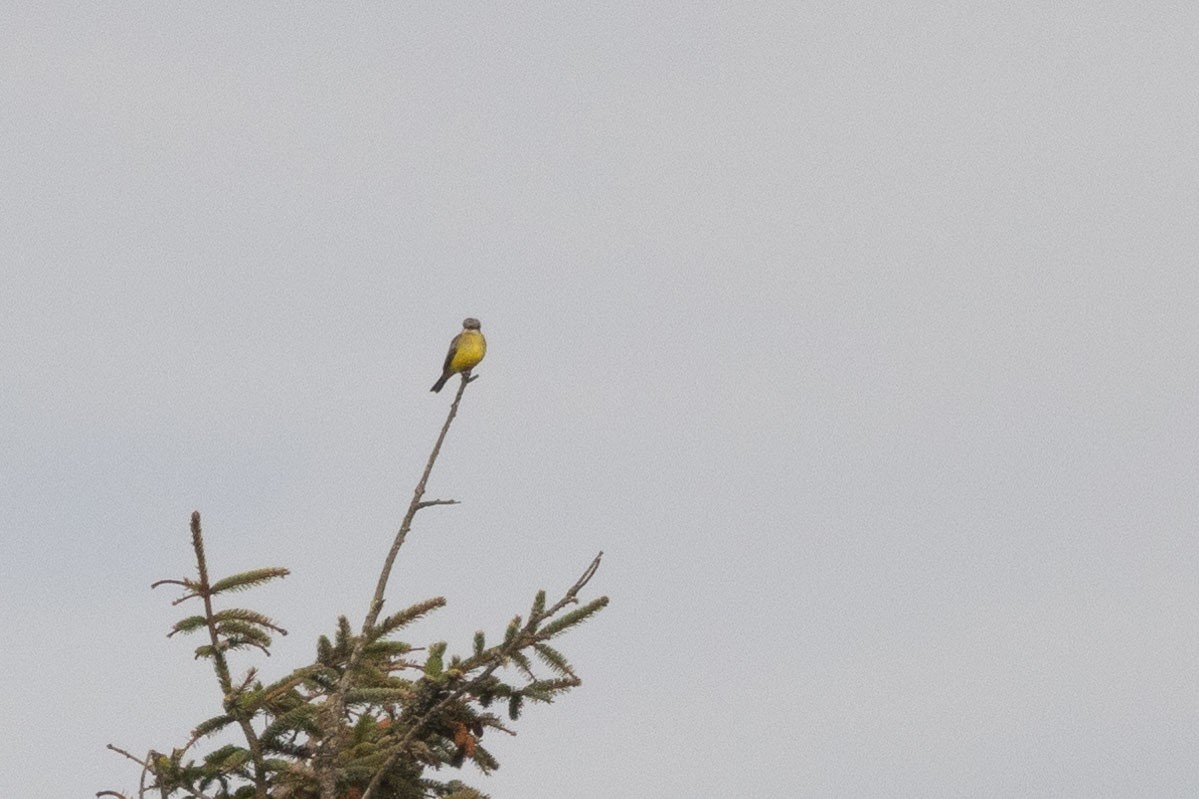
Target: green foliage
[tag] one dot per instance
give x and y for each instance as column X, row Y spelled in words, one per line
column 433, row 663
column 405, row 617
column 554, row 659
column 212, row 725
column 247, row 580
column 399, row 717
column 574, row 618
column 538, row 605
column 512, row 631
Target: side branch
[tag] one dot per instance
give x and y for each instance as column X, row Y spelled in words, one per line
column 134, row 758
column 428, row 503
column 572, row 593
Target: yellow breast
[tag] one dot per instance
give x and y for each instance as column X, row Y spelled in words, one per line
column 470, row 350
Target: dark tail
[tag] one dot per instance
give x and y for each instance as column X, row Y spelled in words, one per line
column 440, row 382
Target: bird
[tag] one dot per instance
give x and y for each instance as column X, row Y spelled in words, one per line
column 466, row 350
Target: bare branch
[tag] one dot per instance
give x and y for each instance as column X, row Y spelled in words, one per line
column 120, row 751
column 431, row 502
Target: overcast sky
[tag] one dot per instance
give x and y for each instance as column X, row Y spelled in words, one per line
column 863, row 338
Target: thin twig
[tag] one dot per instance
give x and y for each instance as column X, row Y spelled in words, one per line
column 570, row 596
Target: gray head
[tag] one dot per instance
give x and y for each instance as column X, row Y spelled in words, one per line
column 470, row 323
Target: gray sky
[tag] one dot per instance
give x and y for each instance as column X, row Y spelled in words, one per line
column 862, row 338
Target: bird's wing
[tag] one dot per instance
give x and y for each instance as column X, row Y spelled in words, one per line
column 449, row 356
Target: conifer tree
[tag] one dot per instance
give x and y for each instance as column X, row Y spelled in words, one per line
column 371, row 716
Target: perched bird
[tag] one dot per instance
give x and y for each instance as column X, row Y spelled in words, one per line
column 466, row 350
